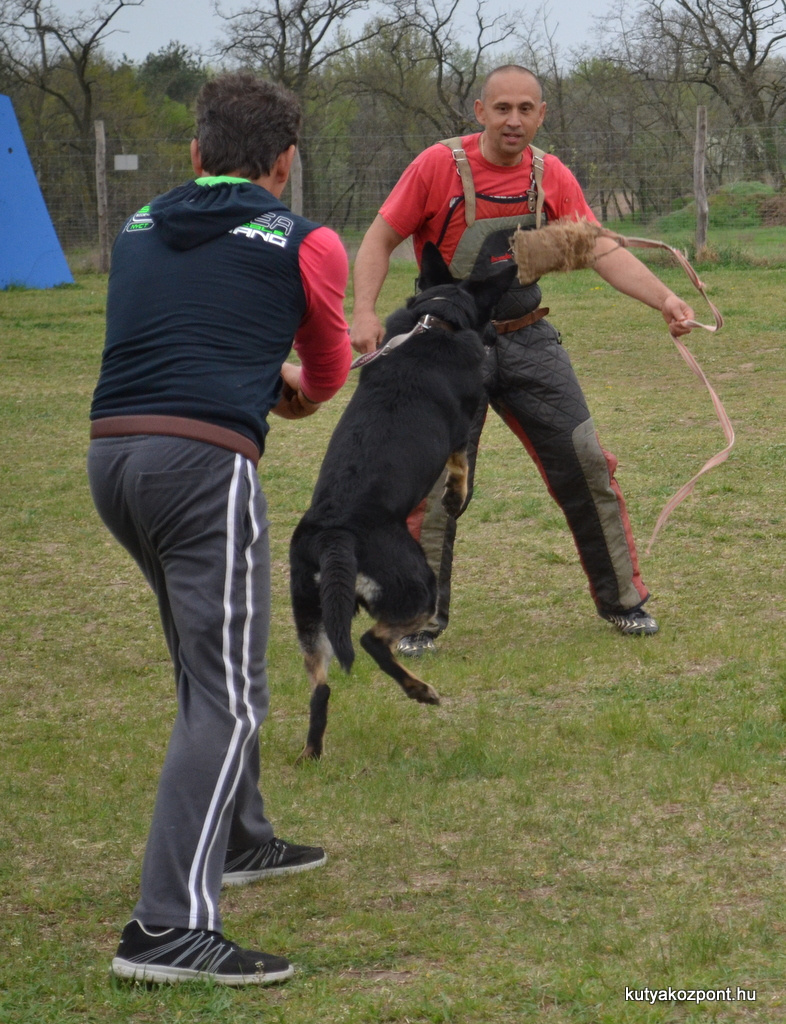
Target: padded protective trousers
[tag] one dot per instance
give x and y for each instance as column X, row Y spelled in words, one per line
column 193, row 517
column 531, row 385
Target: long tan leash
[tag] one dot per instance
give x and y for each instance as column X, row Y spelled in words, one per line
column 563, row 246
column 716, row 460
column 690, row 359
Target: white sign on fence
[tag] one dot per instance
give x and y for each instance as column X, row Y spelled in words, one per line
column 126, row 162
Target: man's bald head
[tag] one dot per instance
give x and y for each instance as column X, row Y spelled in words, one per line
column 506, row 69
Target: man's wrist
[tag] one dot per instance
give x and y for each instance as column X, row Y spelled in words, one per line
column 670, row 301
column 305, row 400
column 361, row 312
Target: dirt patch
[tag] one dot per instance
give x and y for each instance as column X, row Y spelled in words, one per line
column 773, row 211
column 395, row 977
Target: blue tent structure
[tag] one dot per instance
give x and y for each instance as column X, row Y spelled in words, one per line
column 30, row 252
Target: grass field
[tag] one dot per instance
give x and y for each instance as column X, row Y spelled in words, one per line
column 583, row 814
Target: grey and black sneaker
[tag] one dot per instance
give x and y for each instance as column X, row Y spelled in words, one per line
column 274, row 858
column 636, row 622
column 416, row 644
column 168, row 955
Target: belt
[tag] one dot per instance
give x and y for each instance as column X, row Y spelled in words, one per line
column 506, row 326
column 176, row 426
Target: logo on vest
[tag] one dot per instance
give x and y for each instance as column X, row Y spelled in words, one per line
column 141, row 221
column 273, row 228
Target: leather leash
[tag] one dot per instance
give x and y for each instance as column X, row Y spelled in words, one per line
column 690, row 359
column 426, row 323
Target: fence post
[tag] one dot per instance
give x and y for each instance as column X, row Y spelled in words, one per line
column 699, row 156
column 101, row 199
column 296, row 184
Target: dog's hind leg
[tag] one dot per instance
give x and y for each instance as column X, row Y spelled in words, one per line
column 314, row 644
column 316, row 657
column 456, row 483
column 380, row 642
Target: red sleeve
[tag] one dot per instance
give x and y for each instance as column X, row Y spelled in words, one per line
column 564, row 196
column 322, row 340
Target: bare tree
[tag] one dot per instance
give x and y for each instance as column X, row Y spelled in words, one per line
column 431, row 60
column 292, row 40
column 55, row 73
column 55, row 57
column 412, row 81
column 540, row 50
column 431, row 35
column 294, row 43
column 731, row 47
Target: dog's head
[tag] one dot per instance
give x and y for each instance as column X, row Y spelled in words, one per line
column 462, row 304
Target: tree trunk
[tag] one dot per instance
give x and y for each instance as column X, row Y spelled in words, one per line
column 296, row 184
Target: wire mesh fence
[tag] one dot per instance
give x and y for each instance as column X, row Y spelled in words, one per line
column 346, row 178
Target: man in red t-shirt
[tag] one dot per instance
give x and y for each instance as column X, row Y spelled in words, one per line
column 529, row 379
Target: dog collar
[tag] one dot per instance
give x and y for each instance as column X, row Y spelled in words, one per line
column 429, row 320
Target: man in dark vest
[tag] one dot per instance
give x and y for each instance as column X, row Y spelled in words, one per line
column 468, row 195
column 210, row 286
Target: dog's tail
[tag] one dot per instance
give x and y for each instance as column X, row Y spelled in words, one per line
column 338, row 570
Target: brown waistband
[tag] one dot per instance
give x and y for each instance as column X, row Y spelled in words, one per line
column 176, row 426
column 506, row 326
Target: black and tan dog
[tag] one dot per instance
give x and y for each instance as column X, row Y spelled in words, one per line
column 408, row 419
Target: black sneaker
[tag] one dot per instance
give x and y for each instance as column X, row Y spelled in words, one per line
column 164, row 955
column 416, row 644
column 633, row 623
column 274, row 858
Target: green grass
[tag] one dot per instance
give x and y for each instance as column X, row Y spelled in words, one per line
column 584, row 812
column 735, row 235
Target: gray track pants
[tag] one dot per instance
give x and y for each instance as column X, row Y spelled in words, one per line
column 193, row 517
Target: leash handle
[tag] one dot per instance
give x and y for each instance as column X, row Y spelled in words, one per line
column 426, row 322
column 682, row 259
column 365, row 358
column 389, row 345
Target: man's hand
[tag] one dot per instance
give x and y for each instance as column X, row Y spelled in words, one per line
column 366, row 332
column 675, row 313
column 293, row 404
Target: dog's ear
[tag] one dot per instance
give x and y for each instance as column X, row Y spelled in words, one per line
column 489, row 290
column 433, row 269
